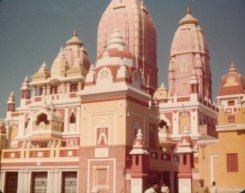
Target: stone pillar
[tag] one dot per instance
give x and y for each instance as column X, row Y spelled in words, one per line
column 1, row 180
column 79, row 86
column 57, row 179
column 68, row 86
column 26, row 181
column 186, row 163
column 48, row 89
column 33, row 94
column 43, row 91
column 20, row 181
column 171, row 188
column 51, row 182
column 66, row 120
column 194, row 121
column 78, row 119
column 140, row 164
column 175, row 123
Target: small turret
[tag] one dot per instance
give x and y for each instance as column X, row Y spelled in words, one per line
column 193, row 83
column 140, row 163
column 232, row 82
column 25, row 89
column 11, row 103
column 186, row 162
column 116, row 41
column 140, row 156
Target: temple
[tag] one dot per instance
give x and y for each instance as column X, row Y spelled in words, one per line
column 109, row 127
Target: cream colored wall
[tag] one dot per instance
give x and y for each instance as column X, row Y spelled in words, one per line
column 118, row 116
column 139, row 117
column 111, row 114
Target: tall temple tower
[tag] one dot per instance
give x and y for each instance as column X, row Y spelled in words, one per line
column 115, row 105
column 134, row 22
column 187, row 103
column 189, row 56
column 187, row 106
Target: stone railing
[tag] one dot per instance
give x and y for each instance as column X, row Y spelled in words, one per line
column 39, row 153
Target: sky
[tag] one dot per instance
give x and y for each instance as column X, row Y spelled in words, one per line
column 32, row 32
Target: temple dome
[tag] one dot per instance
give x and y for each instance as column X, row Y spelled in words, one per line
column 188, row 18
column 42, row 74
column 189, row 37
column 74, row 49
column 74, row 40
column 60, row 65
column 232, row 82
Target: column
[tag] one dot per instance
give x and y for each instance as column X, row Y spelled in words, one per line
column 22, row 125
column 78, row 119
column 1, row 180
column 212, row 168
column 33, row 91
column 51, row 182
column 175, row 123
column 79, row 86
column 25, row 181
column 66, row 119
column 21, row 182
column 171, row 188
column 48, row 89
column 43, row 91
column 56, row 181
column 68, row 85
column 194, row 122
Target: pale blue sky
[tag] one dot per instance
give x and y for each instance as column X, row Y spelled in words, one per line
column 32, row 31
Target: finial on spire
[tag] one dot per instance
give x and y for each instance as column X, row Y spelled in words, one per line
column 74, row 40
column 188, row 18
column 188, row 10
column 61, row 53
column 61, row 49
column 26, row 79
column 142, row 2
column 232, row 67
column 232, row 64
column 12, row 94
column 75, row 33
column 44, row 65
column 162, row 85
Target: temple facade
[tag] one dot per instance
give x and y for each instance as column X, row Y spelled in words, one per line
column 109, row 127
